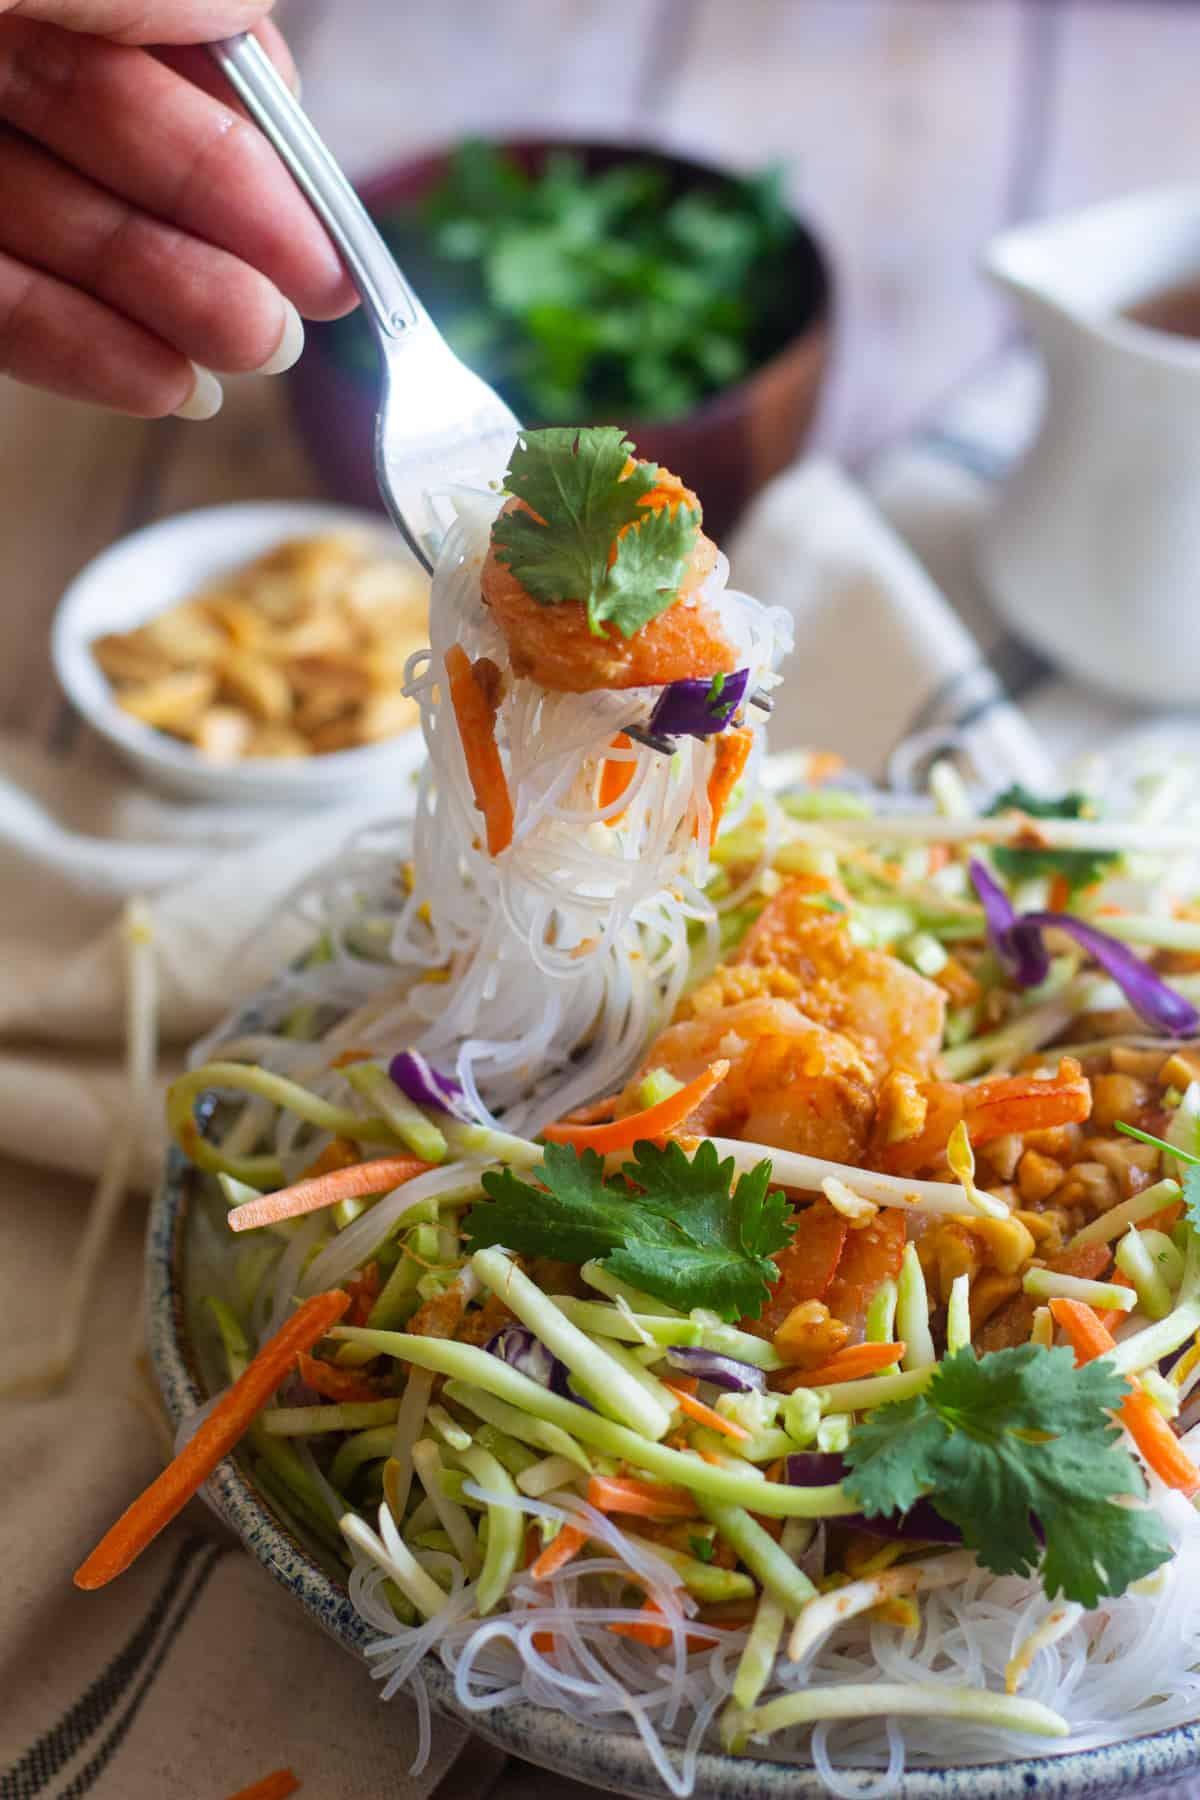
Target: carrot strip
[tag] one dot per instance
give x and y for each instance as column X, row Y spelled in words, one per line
column 1089, row 1337
column 615, row 777
column 652, row 1122
column 846, row 1365
column 543, row 1641
column 343, row 1385
column 1085, row 1331
column 339, row 1153
column 707, row 1415
column 729, row 759
column 648, row 1499
column 658, row 1636
column 363, row 1292
column 558, row 1551
column 345, row 1059
column 272, row 1787
column 326, row 1190
column 475, row 713
column 1060, row 894
column 212, row 1442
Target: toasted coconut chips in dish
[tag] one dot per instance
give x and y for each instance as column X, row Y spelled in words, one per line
column 754, row 1235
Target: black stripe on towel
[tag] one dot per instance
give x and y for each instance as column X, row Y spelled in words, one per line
column 36, row 1769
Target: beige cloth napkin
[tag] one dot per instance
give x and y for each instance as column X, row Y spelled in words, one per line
column 195, row 1675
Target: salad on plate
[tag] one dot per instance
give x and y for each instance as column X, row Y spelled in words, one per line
column 719, row 1249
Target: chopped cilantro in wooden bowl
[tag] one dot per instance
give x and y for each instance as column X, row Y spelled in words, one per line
column 591, row 283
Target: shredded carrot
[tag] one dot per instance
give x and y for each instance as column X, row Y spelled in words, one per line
column 343, row 1385
column 652, row 1122
column 729, row 759
column 615, row 777
column 659, row 1636
column 272, row 1787
column 1164, row 1218
column 339, row 1153
column 845, row 1365
column 475, row 712
column 648, row 1499
column 1090, row 1337
column 710, row 1456
column 939, row 856
column 558, row 1551
column 707, row 1415
column 823, row 765
column 1060, row 894
column 345, row 1059
column 212, row 1442
column 326, row 1190
column 543, row 1641
column 686, row 1384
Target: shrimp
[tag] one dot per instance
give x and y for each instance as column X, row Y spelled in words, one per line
column 893, row 1014
column 989, row 1109
column 554, row 645
column 792, row 1084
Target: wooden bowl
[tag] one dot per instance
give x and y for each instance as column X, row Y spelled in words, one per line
column 726, row 448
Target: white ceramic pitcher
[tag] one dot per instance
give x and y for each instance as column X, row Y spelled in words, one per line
column 1093, row 552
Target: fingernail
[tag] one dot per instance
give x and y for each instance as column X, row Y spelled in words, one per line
column 291, row 343
column 204, row 401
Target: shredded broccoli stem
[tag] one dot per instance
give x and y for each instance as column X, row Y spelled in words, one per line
column 467, row 1364
column 762, row 1646
column 780, row 1575
column 412, row 1126
column 506, row 1529
column 353, row 1452
column 882, row 1699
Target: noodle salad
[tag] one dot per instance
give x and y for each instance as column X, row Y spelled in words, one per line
column 719, row 1256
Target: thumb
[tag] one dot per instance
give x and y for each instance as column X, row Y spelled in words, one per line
column 145, row 21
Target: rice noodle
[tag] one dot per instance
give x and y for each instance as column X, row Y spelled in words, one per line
column 500, row 970
column 1123, row 1670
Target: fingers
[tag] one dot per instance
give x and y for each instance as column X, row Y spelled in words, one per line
column 135, row 127
column 146, row 21
column 57, row 338
column 215, row 309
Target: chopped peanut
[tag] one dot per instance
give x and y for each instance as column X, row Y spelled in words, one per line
column 1060, row 1141
column 1116, row 1096
column 1089, row 1186
column 809, row 1335
column 1144, row 1064
column 901, row 1110
column 1181, row 1068
column 1003, row 1154
column 989, row 1292
column 947, row 1250
column 1038, row 1176
column 1045, row 1228
column 1133, row 1164
column 1008, row 1243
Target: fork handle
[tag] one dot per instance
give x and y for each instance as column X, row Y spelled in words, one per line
column 390, row 303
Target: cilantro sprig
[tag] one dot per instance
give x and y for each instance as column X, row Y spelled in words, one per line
column 677, row 1226
column 1018, row 1449
column 1081, row 867
column 576, row 483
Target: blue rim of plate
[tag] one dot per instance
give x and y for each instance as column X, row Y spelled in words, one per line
column 615, row 1762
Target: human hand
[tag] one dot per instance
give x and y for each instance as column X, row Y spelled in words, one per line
column 148, row 232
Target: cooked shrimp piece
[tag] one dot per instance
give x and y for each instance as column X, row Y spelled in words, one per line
column 891, row 1012
column 554, row 646
column 791, row 1084
column 990, row 1109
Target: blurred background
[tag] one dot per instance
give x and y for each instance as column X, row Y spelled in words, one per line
column 909, row 132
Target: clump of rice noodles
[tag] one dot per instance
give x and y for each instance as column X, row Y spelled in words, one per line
column 1126, row 1669
column 504, row 971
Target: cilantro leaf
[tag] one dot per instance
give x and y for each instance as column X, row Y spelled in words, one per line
column 1018, row 1450
column 1081, row 867
column 676, row 1226
column 576, row 484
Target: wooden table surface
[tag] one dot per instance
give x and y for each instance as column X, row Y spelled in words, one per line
column 912, row 130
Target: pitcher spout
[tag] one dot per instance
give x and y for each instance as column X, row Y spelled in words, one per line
column 1089, row 265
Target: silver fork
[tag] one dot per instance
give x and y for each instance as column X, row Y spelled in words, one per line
column 436, row 423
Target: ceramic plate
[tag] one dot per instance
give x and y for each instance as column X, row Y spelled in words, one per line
column 188, row 1252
